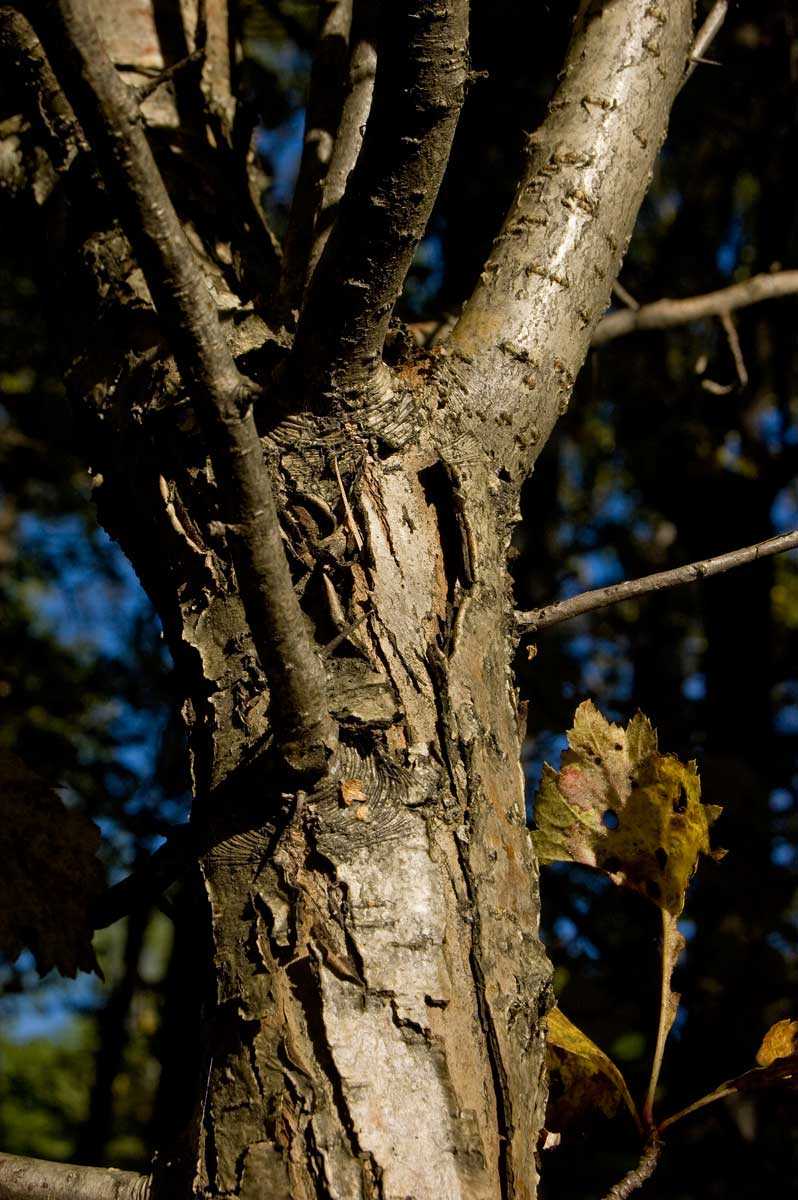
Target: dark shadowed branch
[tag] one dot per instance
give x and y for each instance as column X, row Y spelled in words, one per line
column 150, row 879
column 422, row 70
column 334, row 134
column 108, row 113
column 322, row 115
column 664, row 314
column 21, row 54
column 538, row 619
column 22, row 1178
column 527, row 326
column 359, row 89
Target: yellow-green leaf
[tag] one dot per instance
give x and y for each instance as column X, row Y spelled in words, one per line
column 589, row 1080
column 619, row 805
column 780, row 1041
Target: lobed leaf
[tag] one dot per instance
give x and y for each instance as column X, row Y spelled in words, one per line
column 619, row 805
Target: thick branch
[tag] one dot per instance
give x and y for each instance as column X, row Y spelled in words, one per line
column 105, row 107
column 24, row 1178
column 564, row 610
column 664, row 314
column 526, row 329
column 422, row 69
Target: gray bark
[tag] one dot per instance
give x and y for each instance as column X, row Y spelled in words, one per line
column 374, row 1012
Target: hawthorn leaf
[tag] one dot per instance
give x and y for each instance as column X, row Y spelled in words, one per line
column 51, row 875
column 589, row 1080
column 619, row 805
column 780, row 1041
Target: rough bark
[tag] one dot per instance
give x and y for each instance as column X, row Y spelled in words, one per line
column 373, row 1015
column 21, row 1178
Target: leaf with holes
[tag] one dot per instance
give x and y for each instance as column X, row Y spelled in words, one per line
column 584, row 1079
column 51, row 875
column 619, row 805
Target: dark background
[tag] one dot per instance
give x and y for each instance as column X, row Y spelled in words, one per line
column 649, row 469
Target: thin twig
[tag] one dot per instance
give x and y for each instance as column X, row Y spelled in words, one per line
column 723, row 389
column 664, row 314
column 340, row 638
column 730, row 330
column 146, row 89
column 422, row 71
column 350, row 516
column 643, row 1171
column 538, row 619
column 705, row 36
column 109, row 115
column 719, row 1094
column 625, row 297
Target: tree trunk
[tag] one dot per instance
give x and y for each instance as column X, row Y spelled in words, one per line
column 373, row 1013
column 379, row 978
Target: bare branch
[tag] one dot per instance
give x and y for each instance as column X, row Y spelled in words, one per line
column 723, row 389
column 526, row 329
column 21, row 1178
column 21, row 52
column 322, row 115
column 624, row 296
column 145, row 90
column 706, row 36
column 150, row 880
column 354, row 115
column 643, row 1171
column 212, row 37
column 106, row 108
column 564, row 610
column 733, row 339
column 422, row 69
column 664, row 314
